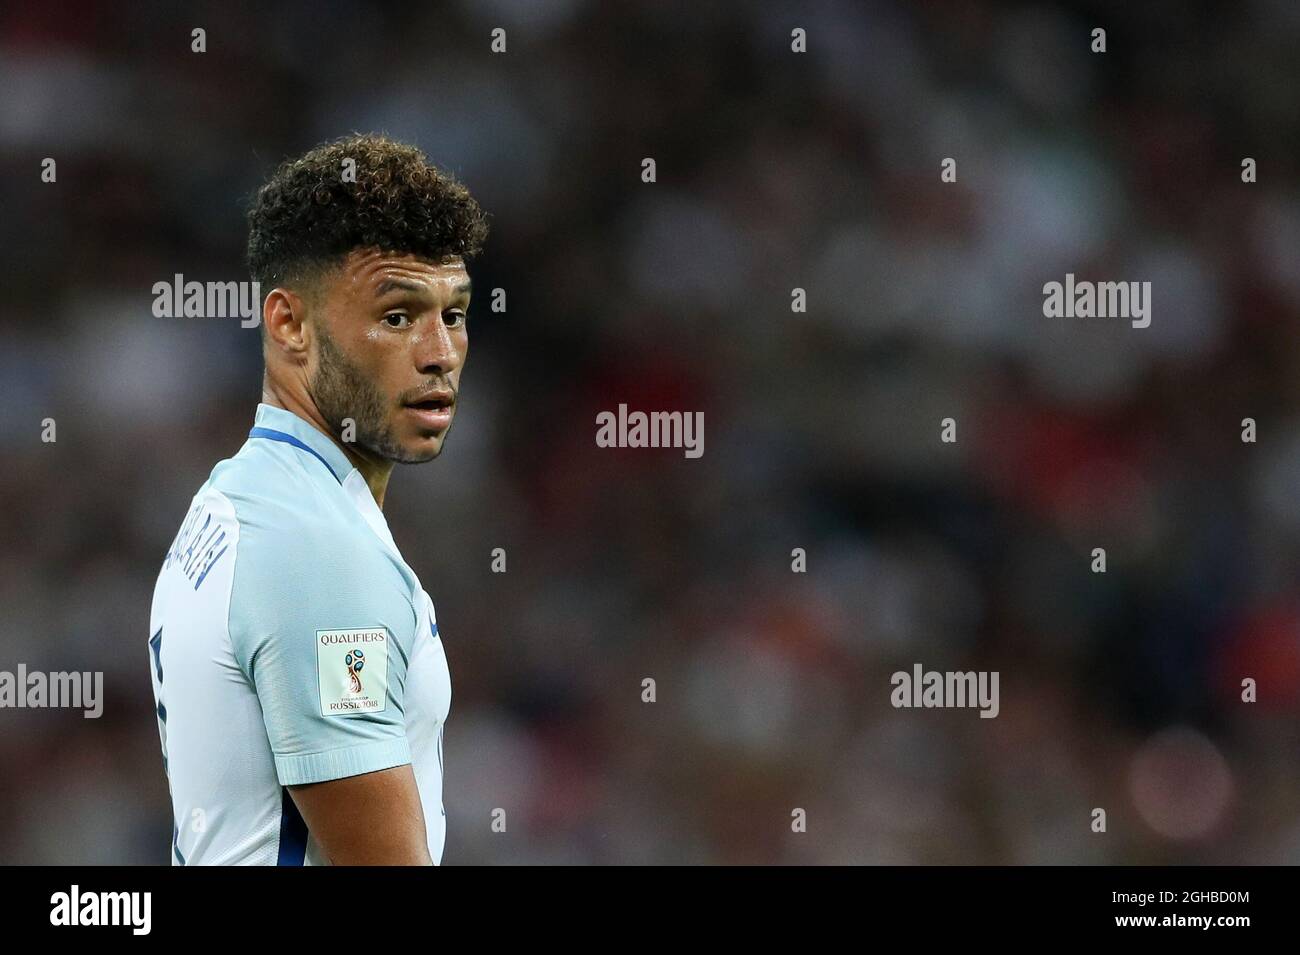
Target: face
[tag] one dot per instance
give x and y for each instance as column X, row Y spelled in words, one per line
column 390, row 344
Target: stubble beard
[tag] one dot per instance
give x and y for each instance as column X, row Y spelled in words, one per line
column 341, row 391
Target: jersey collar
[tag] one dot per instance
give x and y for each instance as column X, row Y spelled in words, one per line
column 277, row 424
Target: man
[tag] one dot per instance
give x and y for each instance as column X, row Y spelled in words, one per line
column 299, row 677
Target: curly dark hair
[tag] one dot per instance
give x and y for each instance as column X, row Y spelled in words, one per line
column 307, row 217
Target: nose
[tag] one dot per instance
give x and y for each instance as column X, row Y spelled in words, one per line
column 435, row 351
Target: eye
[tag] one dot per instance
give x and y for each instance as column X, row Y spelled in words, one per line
column 397, row 320
column 454, row 319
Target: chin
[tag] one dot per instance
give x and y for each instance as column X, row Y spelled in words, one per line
column 421, row 450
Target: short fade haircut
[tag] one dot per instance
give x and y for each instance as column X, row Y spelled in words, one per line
column 307, row 218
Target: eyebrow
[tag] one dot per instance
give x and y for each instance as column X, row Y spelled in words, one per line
column 393, row 285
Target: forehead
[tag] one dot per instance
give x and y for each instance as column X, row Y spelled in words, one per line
column 372, row 272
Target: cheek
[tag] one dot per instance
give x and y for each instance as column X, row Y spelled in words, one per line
column 377, row 347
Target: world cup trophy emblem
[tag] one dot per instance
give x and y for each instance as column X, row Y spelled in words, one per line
column 355, row 660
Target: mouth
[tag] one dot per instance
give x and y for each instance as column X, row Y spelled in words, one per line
column 434, row 410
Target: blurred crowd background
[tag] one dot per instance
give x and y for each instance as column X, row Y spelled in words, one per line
column 775, row 170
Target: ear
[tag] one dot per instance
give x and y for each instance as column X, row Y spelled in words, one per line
column 284, row 318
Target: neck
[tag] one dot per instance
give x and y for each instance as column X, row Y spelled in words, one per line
column 375, row 470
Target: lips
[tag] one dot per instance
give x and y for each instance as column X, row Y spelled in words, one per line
column 433, row 398
column 433, row 409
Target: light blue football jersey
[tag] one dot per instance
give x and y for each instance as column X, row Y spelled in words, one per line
column 289, row 643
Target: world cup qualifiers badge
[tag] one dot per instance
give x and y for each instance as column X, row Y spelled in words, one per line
column 341, row 656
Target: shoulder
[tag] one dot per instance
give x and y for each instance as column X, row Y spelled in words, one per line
column 285, row 511
column 265, row 484
column 305, row 560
